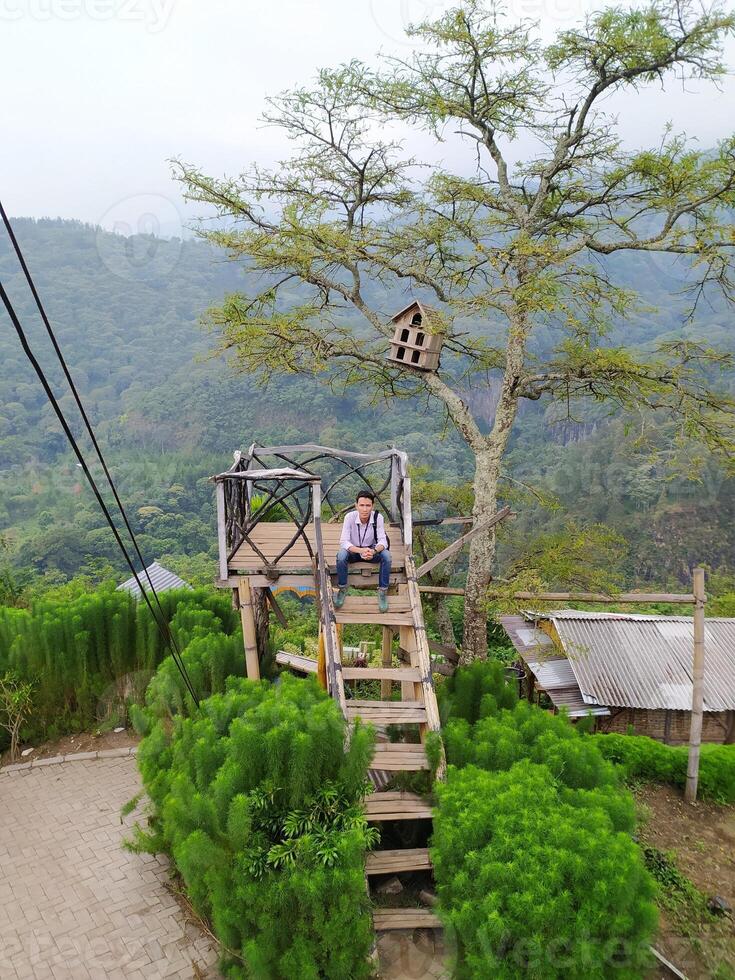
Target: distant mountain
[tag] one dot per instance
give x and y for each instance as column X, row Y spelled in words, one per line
column 127, row 311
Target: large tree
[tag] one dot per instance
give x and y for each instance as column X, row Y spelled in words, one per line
column 350, row 224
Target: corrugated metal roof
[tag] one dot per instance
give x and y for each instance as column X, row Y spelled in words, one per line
column 639, row 661
column 162, row 579
column 525, row 637
column 553, row 673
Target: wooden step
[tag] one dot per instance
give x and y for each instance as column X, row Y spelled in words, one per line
column 381, row 674
column 369, row 603
column 402, row 859
column 396, row 805
column 385, row 919
column 387, row 712
column 400, row 757
column 376, row 617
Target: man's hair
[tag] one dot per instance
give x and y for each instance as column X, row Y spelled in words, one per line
column 366, row 493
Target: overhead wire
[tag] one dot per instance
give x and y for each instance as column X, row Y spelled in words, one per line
column 161, row 623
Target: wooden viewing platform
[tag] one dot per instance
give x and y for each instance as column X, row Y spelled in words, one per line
column 257, row 552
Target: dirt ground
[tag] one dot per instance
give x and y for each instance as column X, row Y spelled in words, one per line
column 701, row 841
column 83, row 742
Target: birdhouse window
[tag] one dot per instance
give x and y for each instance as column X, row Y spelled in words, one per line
column 419, row 333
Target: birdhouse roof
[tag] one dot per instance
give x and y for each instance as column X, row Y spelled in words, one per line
column 432, row 319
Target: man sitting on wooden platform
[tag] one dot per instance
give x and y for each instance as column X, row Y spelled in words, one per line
column 363, row 539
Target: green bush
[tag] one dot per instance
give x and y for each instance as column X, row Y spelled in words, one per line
column 536, row 872
column 644, row 758
column 533, row 887
column 260, row 807
column 476, row 690
column 97, row 651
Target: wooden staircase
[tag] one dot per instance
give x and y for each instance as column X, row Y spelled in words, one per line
column 409, row 676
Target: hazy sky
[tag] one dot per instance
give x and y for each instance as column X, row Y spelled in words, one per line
column 97, row 94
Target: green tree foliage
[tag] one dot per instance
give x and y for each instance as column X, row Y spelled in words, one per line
column 259, row 804
column 16, row 702
column 536, row 871
column 97, row 651
column 533, row 886
column 644, row 758
column 521, row 258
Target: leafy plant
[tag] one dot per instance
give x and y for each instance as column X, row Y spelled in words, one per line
column 533, row 886
column 259, row 804
column 644, row 758
column 16, row 703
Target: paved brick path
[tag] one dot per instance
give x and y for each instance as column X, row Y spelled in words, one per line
column 73, row 904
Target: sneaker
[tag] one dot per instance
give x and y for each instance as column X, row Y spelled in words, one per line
column 339, row 599
column 383, row 600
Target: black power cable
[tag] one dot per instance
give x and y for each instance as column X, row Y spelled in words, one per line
column 75, row 393
column 161, row 624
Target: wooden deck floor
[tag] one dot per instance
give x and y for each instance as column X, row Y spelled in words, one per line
column 272, row 538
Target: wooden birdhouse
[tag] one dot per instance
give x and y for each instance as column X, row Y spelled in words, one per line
column 418, row 337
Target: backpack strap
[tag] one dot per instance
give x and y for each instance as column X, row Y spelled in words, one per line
column 375, row 527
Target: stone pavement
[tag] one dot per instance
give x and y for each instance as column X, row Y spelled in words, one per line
column 413, row 954
column 73, row 904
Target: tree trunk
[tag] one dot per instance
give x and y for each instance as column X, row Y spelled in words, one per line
column 482, row 553
column 488, row 463
column 262, row 629
column 444, row 622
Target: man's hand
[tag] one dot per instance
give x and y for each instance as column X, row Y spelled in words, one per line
column 367, row 553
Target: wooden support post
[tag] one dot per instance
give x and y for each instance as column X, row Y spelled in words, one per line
column 221, row 529
column 386, row 687
column 695, row 731
column 249, row 632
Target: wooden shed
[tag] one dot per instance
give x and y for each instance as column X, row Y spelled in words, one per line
column 632, row 672
column 418, row 336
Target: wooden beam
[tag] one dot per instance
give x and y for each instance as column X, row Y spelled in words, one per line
column 280, row 616
column 221, row 532
column 407, row 515
column 436, row 521
column 307, row 665
column 695, row 730
column 457, row 545
column 449, row 653
column 623, row 597
column 249, row 633
column 386, row 686
column 440, row 590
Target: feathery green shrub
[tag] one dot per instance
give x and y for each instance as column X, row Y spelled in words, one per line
column 534, row 887
column 96, row 650
column 476, row 690
column 644, row 758
column 260, row 807
column 537, row 874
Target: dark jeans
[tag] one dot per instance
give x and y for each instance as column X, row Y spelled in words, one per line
column 345, row 558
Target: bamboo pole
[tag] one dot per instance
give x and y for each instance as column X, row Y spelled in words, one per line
column 249, row 631
column 695, row 731
column 623, row 597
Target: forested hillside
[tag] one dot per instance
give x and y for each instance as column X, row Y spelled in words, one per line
column 127, row 316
